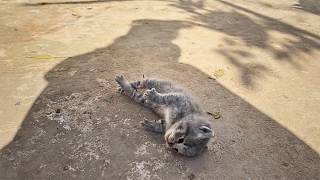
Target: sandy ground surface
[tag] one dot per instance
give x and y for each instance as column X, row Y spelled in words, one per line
column 255, row 62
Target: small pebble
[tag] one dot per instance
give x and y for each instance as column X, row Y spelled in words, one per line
column 58, row 110
column 17, row 103
column 48, row 113
column 87, row 112
column 285, row 164
column 215, row 115
column 66, row 168
column 210, row 113
column 191, row 176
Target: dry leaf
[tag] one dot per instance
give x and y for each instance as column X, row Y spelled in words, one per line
column 218, row 73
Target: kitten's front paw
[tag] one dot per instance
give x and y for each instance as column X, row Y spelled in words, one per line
column 150, row 93
column 119, row 79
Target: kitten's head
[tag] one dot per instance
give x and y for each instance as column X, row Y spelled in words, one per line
column 189, row 136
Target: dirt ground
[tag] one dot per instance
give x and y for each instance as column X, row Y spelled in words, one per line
column 255, row 62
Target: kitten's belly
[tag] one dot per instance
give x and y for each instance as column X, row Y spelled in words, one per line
column 162, row 110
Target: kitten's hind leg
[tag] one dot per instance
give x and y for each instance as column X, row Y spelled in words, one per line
column 156, row 126
column 138, row 84
column 157, row 84
column 124, row 86
column 150, row 83
column 152, row 95
column 128, row 90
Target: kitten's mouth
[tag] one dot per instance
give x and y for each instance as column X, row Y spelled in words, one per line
column 169, row 144
column 168, row 140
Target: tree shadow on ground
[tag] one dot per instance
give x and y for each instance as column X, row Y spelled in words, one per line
column 81, row 128
column 255, row 33
column 311, row 6
column 70, row 2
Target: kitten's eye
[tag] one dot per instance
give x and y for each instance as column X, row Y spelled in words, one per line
column 180, row 140
column 205, row 129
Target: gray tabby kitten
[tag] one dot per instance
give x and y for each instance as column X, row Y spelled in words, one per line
column 186, row 130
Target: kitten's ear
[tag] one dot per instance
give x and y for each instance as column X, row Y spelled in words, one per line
column 205, row 129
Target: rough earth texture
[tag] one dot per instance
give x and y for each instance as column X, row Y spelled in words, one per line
column 256, row 63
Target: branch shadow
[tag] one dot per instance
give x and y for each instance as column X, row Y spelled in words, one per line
column 254, row 33
column 81, row 128
column 70, row 2
column 311, row 6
